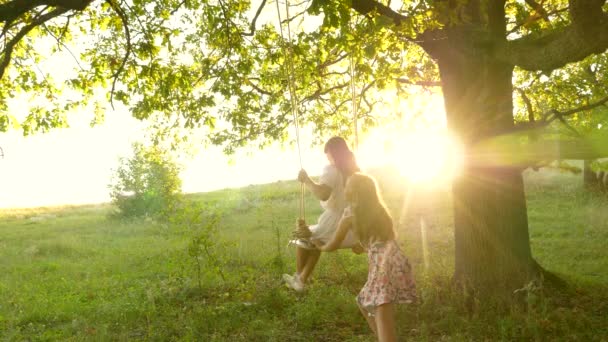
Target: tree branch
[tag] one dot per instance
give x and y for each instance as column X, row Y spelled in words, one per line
column 8, row 49
column 419, row 83
column 550, row 116
column 61, row 44
column 586, row 35
column 258, row 88
column 572, row 129
column 330, row 62
column 125, row 24
column 318, row 93
column 11, row 10
column 255, row 18
column 536, row 18
column 368, row 6
column 528, row 104
column 173, row 11
column 557, row 114
column 538, row 8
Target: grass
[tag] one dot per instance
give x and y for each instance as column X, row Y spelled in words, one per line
column 70, row 273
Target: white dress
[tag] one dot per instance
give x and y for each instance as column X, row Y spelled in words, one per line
column 333, row 209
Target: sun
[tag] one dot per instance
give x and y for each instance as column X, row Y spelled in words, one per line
column 428, row 156
column 421, row 156
column 416, row 142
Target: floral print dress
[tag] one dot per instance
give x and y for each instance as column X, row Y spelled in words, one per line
column 389, row 279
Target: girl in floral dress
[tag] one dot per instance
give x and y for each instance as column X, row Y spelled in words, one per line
column 389, row 279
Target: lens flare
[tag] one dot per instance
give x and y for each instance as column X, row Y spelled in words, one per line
column 422, row 156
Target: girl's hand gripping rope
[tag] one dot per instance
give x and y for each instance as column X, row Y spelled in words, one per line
column 302, row 231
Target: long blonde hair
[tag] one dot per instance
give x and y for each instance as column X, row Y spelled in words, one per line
column 371, row 220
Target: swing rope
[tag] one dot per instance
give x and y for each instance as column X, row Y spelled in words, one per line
column 353, row 93
column 289, row 75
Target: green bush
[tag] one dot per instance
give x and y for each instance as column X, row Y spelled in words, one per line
column 147, row 184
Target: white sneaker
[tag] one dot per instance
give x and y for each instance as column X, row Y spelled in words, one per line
column 294, row 282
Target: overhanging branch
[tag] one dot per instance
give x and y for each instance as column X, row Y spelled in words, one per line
column 125, row 24
column 11, row 10
column 257, row 87
column 586, row 35
column 548, row 117
column 528, row 104
column 255, row 18
column 538, row 8
column 367, row 7
column 557, row 114
column 320, row 92
column 419, row 83
column 8, row 49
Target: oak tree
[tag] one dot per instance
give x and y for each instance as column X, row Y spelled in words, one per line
column 223, row 65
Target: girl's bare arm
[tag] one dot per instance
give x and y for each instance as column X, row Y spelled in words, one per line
column 320, row 191
column 339, row 235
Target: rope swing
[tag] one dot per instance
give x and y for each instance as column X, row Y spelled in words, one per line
column 289, row 76
column 353, row 88
column 353, row 93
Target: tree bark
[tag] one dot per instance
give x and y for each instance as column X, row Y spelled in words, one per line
column 11, row 10
column 492, row 246
column 492, row 243
column 589, row 177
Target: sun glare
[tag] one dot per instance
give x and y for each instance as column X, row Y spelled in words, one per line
column 421, row 156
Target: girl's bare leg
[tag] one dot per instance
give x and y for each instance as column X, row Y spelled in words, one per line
column 301, row 257
column 370, row 319
column 309, row 264
column 385, row 322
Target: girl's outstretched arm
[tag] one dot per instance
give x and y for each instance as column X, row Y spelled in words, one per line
column 319, row 190
column 343, row 228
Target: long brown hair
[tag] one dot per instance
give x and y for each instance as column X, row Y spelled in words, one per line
column 371, row 219
column 343, row 156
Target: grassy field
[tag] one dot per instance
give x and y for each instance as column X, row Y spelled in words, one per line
column 71, row 273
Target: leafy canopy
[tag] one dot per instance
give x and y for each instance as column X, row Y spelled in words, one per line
column 222, row 64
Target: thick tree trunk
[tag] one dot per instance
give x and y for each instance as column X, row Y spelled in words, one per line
column 491, row 225
column 589, row 177
column 491, row 231
column 476, row 66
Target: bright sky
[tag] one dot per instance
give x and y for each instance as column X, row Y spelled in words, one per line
column 74, row 165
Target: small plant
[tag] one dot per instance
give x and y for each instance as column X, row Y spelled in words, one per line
column 200, row 223
column 277, row 260
column 147, row 184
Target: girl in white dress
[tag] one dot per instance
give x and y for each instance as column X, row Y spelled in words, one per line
column 330, row 191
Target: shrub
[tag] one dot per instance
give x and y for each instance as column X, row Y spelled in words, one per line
column 147, row 184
